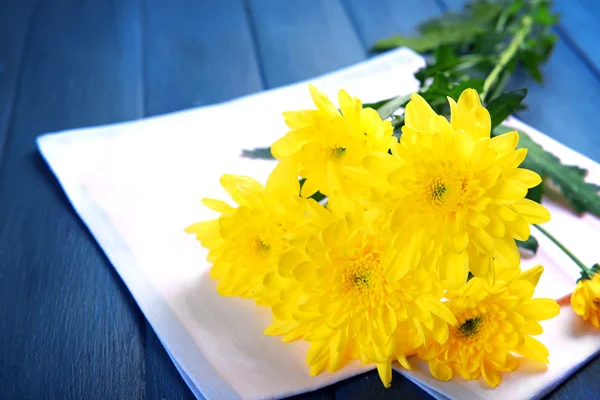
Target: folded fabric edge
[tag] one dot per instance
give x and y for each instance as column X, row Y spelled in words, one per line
column 153, row 308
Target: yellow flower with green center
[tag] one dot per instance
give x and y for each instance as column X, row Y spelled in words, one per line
column 458, row 192
column 247, row 241
column 326, row 140
column 585, row 299
column 493, row 325
column 358, row 301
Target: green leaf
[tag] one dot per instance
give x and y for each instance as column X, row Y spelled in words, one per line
column 388, row 108
column 536, row 193
column 531, row 62
column 376, row 105
column 530, row 244
column 505, row 104
column 263, row 153
column 582, row 196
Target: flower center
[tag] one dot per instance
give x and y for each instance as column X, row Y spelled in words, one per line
column 445, row 193
column 363, row 274
column 262, row 248
column 336, row 153
column 437, row 190
column 470, row 327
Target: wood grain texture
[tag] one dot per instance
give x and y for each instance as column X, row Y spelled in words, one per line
column 70, row 329
column 15, row 17
column 197, row 53
column 580, row 26
column 298, row 40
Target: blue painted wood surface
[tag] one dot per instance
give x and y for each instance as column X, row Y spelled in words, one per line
column 69, row 329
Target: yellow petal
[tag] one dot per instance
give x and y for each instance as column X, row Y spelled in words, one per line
column 386, row 320
column 217, row 205
column 490, row 374
column 284, row 178
column 321, row 100
column 527, row 177
column 534, row 349
column 504, row 144
column 463, row 145
column 460, row 241
column 406, row 258
column 441, row 310
column 350, row 107
column 478, row 219
column 316, row 351
column 440, row 370
column 454, row 269
column 539, row 309
column 532, row 275
column 578, row 302
column 385, row 373
column 468, row 115
column 507, row 252
column 507, row 191
column 418, row 113
column 240, row 187
column 310, row 187
column 532, row 212
column 532, row 328
column 287, row 146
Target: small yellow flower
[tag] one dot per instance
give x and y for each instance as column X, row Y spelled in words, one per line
column 358, row 301
column 459, row 192
column 585, row 299
column 325, row 140
column 245, row 242
column 493, row 323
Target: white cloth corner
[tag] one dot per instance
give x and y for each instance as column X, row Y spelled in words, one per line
column 136, row 186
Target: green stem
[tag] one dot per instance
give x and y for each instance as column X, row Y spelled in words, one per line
column 507, row 55
column 585, row 270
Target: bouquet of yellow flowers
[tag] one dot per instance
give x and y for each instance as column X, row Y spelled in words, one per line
column 379, row 268
column 382, row 234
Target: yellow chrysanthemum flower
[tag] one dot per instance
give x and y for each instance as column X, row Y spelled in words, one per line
column 459, row 192
column 585, row 299
column 493, row 323
column 325, row 140
column 359, row 301
column 245, row 242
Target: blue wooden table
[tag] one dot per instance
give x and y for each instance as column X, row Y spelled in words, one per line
column 69, row 329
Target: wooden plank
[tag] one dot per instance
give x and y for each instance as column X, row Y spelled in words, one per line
column 14, row 21
column 197, row 53
column 70, row 329
column 580, row 26
column 298, row 40
column 384, row 18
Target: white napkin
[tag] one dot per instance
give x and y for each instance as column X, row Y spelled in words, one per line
column 137, row 185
